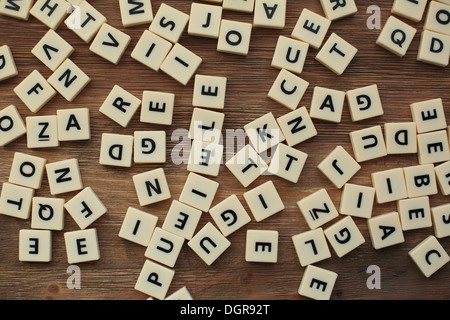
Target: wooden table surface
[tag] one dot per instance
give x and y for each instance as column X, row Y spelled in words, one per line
column 401, row 81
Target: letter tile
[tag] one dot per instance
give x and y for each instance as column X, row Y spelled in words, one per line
column 181, row 294
column 288, row 89
column 311, row 247
column 151, row 50
column 205, row 20
column 82, row 246
column 364, row 103
column 85, row 21
column 336, row 54
column 396, row 36
column 27, row 170
column 264, row 201
column 42, row 132
column 429, row 115
column 64, row 176
column 74, row 124
column 116, row 150
column 110, row 43
column 35, row 245
column 311, row 28
column 434, row 48
column 389, row 185
column 229, row 215
column 34, row 91
column 52, row 50
column 149, row 147
column 164, row 247
column 12, row 125
column 317, row 283
column 154, row 280
column 198, row 192
column 246, row 165
column 438, row 18
column 317, row 209
column 8, row 67
column 151, row 186
column 182, row 220
column 433, row 147
column 344, row 236
column 206, row 125
column 209, row 92
column 368, row 143
column 138, row 226
column 181, row 64
column 443, row 177
column 297, row 126
column 239, row 5
column 85, row 208
column 209, row 244
column 339, row 167
column 385, row 230
column 415, row 213
column 287, row 163
column 400, row 137
column 205, row 158
column 135, row 13
column 412, row 10
column 157, row 107
column 337, row 9
column 420, row 180
column 47, row 213
column 327, row 104
column 261, row 246
column 169, row 23
column 16, row 10
column 429, row 256
column 357, row 201
column 15, row 201
column 69, row 80
column 234, row 37
column 120, row 106
column 290, row 54
column 441, row 220
column 50, row 12
column 264, row 132
column 270, row 14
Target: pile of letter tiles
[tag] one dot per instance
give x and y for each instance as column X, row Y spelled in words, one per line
column 427, row 137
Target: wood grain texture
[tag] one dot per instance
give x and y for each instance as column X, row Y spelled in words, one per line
column 401, row 82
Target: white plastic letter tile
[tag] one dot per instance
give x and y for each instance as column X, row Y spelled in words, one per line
column 85, row 21
column 429, row 115
column 69, row 80
column 47, row 213
column 164, row 247
column 317, row 208
column 8, row 68
column 27, row 170
column 420, row 180
column 138, row 226
column 317, row 283
column 205, row 20
column 205, row 158
column 389, row 185
column 364, row 103
column 85, row 208
column 12, row 125
column 110, row 43
column 182, row 219
column 336, row 54
column 135, row 13
column 199, row 192
column 264, row 132
column 297, row 126
column 206, row 125
column 82, row 246
column 209, row 244
column 270, row 14
column 15, row 201
column 311, row 28
column 288, row 89
column 16, row 10
column 181, row 64
column 385, row 230
column 74, row 124
column 35, row 91
column 149, row 147
column 429, row 256
column 234, row 37
column 433, row 147
column 169, row 23
column 438, row 17
column 443, row 177
column 154, row 280
column 357, row 200
column 35, row 245
column 52, row 50
column 116, row 150
column 290, row 54
column 64, row 176
column 157, row 107
column 412, row 10
column 246, row 165
column 151, row 50
column 209, row 92
column 151, row 186
column 287, row 163
column 335, row 9
column 368, row 143
column 327, row 104
column 400, row 137
column 261, row 246
column 396, row 36
column 441, row 220
column 229, row 215
column 415, row 213
column 50, row 12
column 120, row 106
column 344, row 236
column 434, row 48
column 42, row 132
column 311, row 246
column 239, row 5
column 264, row 201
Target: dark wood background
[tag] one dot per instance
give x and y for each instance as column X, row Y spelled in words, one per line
column 401, row 82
